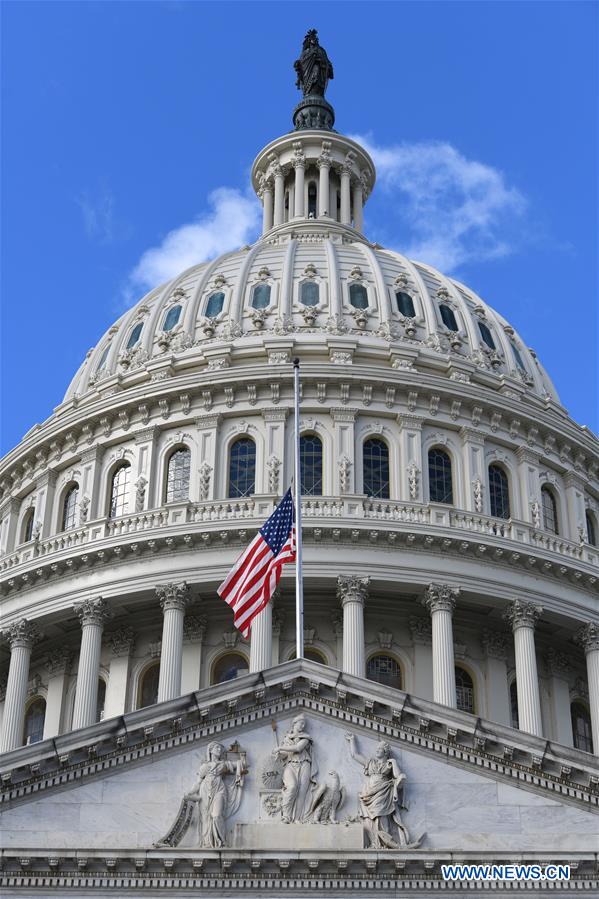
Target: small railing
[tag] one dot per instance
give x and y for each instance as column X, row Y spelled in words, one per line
column 226, row 510
column 386, row 510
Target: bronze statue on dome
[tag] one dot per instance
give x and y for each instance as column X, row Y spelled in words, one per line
column 314, row 68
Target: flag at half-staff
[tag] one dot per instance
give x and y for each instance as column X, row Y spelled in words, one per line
column 254, row 577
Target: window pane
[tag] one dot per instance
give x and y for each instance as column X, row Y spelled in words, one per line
column 514, row 704
column 312, row 199
column 215, row 304
column 148, row 693
column 177, row 484
column 119, row 494
column 376, row 468
column 28, row 526
column 440, row 486
column 103, row 357
column 309, row 293
column 486, row 335
column 69, row 509
column 405, row 304
column 172, row 317
column 358, row 296
column 261, row 296
column 449, row 319
column 464, row 690
column 581, row 727
column 34, row 722
column 229, row 667
column 311, row 465
column 591, row 535
column 549, row 510
column 384, row 670
column 242, row 468
column 499, row 494
column 518, row 357
column 135, row 335
column 313, row 655
column 101, row 700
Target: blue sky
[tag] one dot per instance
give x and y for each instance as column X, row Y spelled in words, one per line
column 128, row 132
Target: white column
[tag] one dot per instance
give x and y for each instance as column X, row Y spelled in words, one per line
column 9, row 517
column 523, row 617
column 299, row 164
column 352, row 592
column 345, row 195
column 44, row 512
column 575, row 506
column 475, row 475
column 194, row 631
column 121, row 643
column 92, row 613
column 274, row 423
column 21, row 636
column 344, row 426
column 409, row 478
column 498, row 694
column 91, row 488
column 279, row 195
column 588, row 638
column 173, row 599
column 358, row 206
column 207, row 427
column 421, row 630
column 440, row 600
column 324, row 166
column 58, row 665
column 267, row 208
column 530, row 493
column 261, row 640
column 557, row 696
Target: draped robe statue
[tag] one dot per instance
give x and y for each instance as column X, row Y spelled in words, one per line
column 314, row 68
column 299, row 771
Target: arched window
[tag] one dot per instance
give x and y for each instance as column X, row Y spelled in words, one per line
column 228, row 667
column 309, row 293
column 515, row 721
column 101, row 700
column 591, row 532
column 375, row 464
column 440, row 483
column 581, row 727
column 35, row 717
column 135, row 335
column 28, row 525
column 499, row 492
column 448, row 317
column 69, row 508
column 103, row 357
column 311, row 465
column 215, row 304
column 549, row 507
column 384, row 669
column 405, row 304
column 313, row 655
column 242, row 468
column 358, row 296
column 518, row 357
column 177, row 476
column 148, row 686
column 119, row 491
column 312, row 199
column 464, row 689
column 261, row 296
column 171, row 318
column 486, row 335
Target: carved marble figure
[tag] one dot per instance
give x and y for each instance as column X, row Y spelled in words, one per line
column 327, row 800
column 380, row 798
column 299, row 771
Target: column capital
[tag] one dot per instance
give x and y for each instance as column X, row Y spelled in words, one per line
column 351, row 588
column 121, row 641
column 22, row 633
column 472, row 435
column 194, row 628
column 588, row 637
column 440, row 597
column 525, row 454
column 495, row 644
column 93, row 611
column 173, row 596
column 299, row 157
column 522, row 614
column 58, row 661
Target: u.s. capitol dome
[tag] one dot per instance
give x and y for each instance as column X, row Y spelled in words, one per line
column 450, row 524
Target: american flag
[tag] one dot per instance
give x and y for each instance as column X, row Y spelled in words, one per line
column 253, row 579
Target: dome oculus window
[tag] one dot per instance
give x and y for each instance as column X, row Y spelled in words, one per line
column 375, row 462
column 242, row 468
column 448, row 317
column 581, row 727
column 591, row 532
column 228, row 667
column 69, row 508
column 405, row 304
column 486, row 335
column 215, row 304
column 440, row 482
column 172, row 318
column 309, row 293
column 177, row 477
column 103, row 357
column 499, row 493
column 35, row 717
column 384, row 669
column 549, row 508
column 464, row 688
column 261, row 296
column 358, row 296
column 148, row 687
column 518, row 357
column 311, row 465
column 119, row 491
column 135, row 335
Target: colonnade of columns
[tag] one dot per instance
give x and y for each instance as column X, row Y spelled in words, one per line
column 352, row 592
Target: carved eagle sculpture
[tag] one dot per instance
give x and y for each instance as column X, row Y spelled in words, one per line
column 326, row 801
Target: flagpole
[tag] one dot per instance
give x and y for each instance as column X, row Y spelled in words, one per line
column 299, row 581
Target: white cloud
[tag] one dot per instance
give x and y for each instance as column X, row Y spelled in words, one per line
column 231, row 222
column 453, row 210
